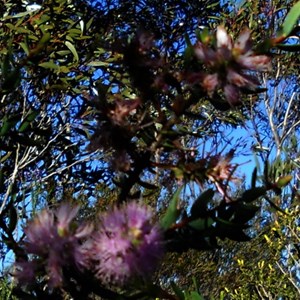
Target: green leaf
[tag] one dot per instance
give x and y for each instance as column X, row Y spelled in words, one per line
column 289, row 48
column 195, row 283
column 11, row 80
column 24, row 47
column 253, row 178
column 72, row 49
column 13, row 219
column 178, row 292
column 291, row 20
column 244, row 213
column 199, row 208
column 89, row 23
column 204, row 35
column 98, row 63
column 62, row 52
column 19, row 15
column 28, row 119
column 8, row 124
column 5, row 157
column 283, row 181
column 49, row 65
column 45, row 39
column 201, row 224
column 253, row 194
column 195, row 296
column 63, row 69
column 172, row 212
column 264, row 46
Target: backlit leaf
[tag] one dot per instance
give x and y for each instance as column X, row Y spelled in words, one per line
column 172, row 212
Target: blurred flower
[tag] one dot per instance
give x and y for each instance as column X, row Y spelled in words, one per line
column 229, row 62
column 127, row 245
column 55, row 243
column 220, row 171
column 26, row 271
column 122, row 109
column 115, row 130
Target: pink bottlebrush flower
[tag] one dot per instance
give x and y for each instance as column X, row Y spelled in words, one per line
column 210, row 83
column 232, row 94
column 224, row 44
column 256, row 62
column 65, row 214
column 55, row 241
column 241, row 80
column 229, row 61
column 40, row 233
column 127, row 245
column 206, row 54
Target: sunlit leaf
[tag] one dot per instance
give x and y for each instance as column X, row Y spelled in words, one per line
column 72, row 49
column 49, row 65
column 98, row 63
column 291, row 20
column 283, row 181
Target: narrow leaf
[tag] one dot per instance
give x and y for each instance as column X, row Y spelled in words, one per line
column 72, row 49
column 201, row 224
column 291, row 19
column 49, row 65
column 25, row 47
column 98, row 63
column 172, row 212
column 28, row 119
column 254, row 177
column 289, row 48
column 13, row 219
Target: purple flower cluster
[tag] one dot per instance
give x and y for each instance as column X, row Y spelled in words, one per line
column 53, row 243
column 126, row 246
column 229, row 62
